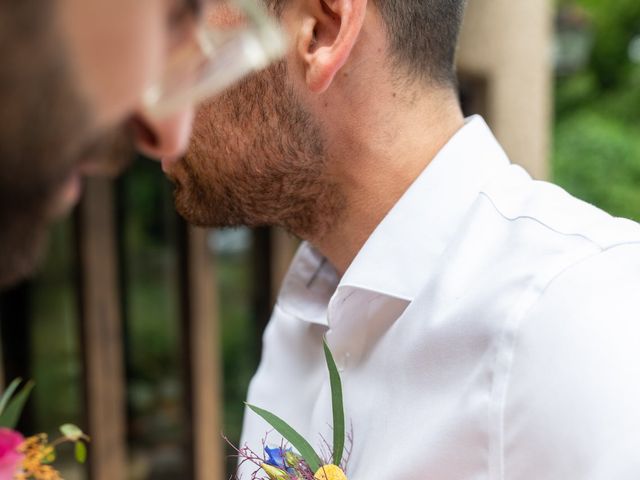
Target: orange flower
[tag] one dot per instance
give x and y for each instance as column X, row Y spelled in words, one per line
column 38, row 454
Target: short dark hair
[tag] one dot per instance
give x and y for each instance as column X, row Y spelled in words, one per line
column 423, row 35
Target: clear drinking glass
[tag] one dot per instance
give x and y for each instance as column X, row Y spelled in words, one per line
column 236, row 38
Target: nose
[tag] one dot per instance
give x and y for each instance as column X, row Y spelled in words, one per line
column 163, row 138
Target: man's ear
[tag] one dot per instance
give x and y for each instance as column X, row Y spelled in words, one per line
column 328, row 33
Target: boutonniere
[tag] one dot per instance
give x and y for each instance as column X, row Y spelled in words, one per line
column 31, row 458
column 299, row 460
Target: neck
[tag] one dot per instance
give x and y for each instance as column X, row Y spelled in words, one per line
column 379, row 158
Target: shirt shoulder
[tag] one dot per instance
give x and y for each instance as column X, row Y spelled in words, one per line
column 518, row 198
column 571, row 408
column 570, row 343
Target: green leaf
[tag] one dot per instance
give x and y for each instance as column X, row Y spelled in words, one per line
column 8, row 393
column 337, row 404
column 81, row 452
column 11, row 414
column 71, row 432
column 294, row 438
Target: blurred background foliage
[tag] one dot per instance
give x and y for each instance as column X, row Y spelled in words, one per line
column 596, row 154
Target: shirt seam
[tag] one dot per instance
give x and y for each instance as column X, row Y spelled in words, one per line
column 555, row 230
column 503, row 362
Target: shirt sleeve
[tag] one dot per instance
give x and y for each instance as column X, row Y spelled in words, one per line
column 572, row 407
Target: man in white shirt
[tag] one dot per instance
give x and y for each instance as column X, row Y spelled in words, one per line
column 486, row 325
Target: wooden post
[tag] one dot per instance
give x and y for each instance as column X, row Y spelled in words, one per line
column 509, row 44
column 203, row 340
column 283, row 249
column 102, row 333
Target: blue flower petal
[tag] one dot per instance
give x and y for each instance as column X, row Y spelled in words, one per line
column 276, row 457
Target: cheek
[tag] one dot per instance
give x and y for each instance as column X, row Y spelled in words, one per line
column 117, row 49
column 225, row 16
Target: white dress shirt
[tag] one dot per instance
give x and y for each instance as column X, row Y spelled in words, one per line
column 488, row 329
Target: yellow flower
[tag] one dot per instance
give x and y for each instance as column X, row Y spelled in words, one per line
column 37, row 454
column 330, row 472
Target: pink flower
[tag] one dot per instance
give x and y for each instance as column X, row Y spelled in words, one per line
column 10, row 458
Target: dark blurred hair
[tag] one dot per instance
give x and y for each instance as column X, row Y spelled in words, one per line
column 423, row 35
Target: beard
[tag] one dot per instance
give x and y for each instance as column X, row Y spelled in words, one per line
column 257, row 158
column 46, row 133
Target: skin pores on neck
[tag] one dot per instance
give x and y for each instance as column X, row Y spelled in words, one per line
column 382, row 130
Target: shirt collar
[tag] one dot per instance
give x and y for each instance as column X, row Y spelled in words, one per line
column 396, row 259
column 308, row 286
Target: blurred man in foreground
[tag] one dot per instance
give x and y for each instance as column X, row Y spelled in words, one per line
column 83, row 81
column 486, row 325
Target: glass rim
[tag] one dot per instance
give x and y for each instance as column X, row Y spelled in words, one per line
column 247, row 49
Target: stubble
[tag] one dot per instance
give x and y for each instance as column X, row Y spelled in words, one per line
column 257, row 158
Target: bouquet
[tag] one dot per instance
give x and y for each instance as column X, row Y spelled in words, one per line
column 31, row 458
column 303, row 463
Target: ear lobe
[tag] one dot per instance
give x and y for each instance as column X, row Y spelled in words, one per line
column 327, row 37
